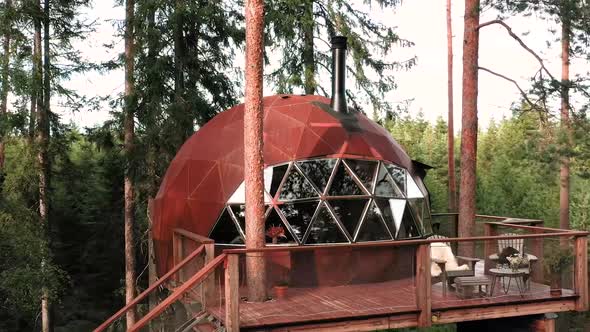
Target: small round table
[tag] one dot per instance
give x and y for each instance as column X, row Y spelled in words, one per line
column 521, row 277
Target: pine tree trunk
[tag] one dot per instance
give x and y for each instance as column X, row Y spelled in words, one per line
column 43, row 164
column 451, row 130
column 253, row 158
column 5, row 83
column 469, row 126
column 308, row 49
column 129, row 128
column 564, row 187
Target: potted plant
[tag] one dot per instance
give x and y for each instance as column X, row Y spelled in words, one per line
column 556, row 261
column 281, row 289
column 275, row 232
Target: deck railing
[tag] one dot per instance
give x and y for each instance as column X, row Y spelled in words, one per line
column 419, row 251
column 115, row 323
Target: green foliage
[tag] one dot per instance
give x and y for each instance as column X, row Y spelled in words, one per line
column 300, row 30
column 557, row 259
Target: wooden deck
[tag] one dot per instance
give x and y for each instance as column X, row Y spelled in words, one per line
column 305, row 306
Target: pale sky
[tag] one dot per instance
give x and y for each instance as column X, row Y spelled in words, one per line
column 421, row 21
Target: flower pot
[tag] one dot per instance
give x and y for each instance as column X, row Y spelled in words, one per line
column 281, row 292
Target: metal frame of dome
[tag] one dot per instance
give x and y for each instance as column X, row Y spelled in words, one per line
column 403, row 190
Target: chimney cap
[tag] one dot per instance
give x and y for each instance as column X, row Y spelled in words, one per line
column 339, row 42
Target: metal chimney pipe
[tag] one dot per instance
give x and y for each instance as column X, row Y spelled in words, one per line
column 338, row 102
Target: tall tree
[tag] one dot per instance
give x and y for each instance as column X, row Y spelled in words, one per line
column 298, row 30
column 467, row 189
column 564, row 173
column 451, row 132
column 6, row 27
column 129, row 137
column 253, row 158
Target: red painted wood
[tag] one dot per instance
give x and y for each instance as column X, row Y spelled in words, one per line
column 150, row 289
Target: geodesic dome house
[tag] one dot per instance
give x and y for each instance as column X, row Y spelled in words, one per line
column 331, row 177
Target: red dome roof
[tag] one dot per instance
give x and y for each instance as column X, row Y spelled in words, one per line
column 209, row 166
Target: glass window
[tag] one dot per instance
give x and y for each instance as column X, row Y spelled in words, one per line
column 364, row 170
column 413, row 190
column 399, row 176
column 325, row 229
column 385, row 186
column 349, row 211
column 318, row 170
column 299, row 216
column 239, row 212
column 297, row 187
column 408, row 227
column 278, row 173
column 343, row 184
column 276, row 231
column 373, row 227
column 225, row 230
column 388, row 214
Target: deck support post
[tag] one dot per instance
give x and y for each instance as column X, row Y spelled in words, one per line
column 546, row 323
column 232, row 294
column 423, row 285
column 581, row 272
column 489, row 246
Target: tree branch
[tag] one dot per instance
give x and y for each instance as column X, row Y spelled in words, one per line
column 520, row 41
column 524, row 95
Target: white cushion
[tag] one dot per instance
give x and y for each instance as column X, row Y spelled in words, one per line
column 442, row 251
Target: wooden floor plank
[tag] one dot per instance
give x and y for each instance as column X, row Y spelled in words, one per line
column 324, row 304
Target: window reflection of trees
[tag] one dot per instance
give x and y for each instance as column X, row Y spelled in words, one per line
column 343, row 184
column 318, row 170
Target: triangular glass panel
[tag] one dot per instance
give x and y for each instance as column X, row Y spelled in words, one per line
column 225, row 230
column 296, row 186
column 325, row 229
column 399, row 176
column 388, row 214
column 364, row 170
column 239, row 196
column 413, row 190
column 276, row 231
column 299, row 216
column 408, row 228
column 349, row 211
column 385, row 186
column 239, row 212
column 427, row 223
column 417, row 205
column 275, row 178
column 343, row 184
column 318, row 170
column 373, row 227
column 398, row 207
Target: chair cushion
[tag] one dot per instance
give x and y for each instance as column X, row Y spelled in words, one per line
column 444, row 252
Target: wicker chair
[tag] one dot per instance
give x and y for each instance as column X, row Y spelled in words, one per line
column 448, row 276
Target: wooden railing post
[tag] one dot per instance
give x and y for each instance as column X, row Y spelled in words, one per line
column 489, row 247
column 209, row 283
column 177, row 252
column 537, row 250
column 423, row 285
column 581, row 272
column 232, row 294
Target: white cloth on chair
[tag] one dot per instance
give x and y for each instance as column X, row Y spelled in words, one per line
column 443, row 251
